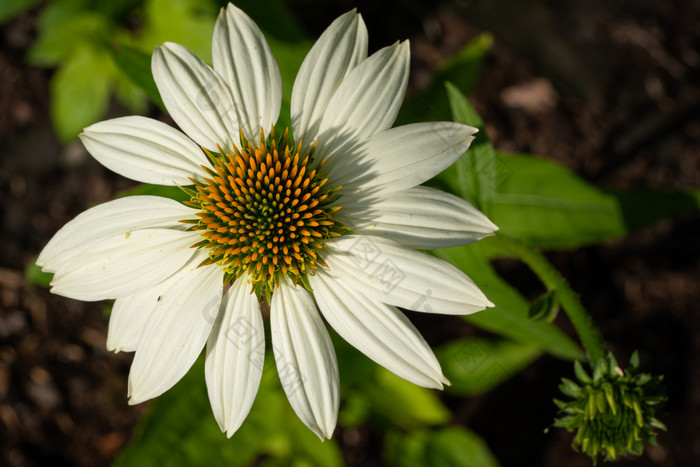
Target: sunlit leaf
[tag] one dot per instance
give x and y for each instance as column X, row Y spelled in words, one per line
column 510, row 316
column 275, row 18
column 289, row 56
column 80, row 92
column 404, row 404
column 476, row 170
column 476, row 365
column 547, row 205
column 449, row 447
column 136, row 65
column 456, row 446
column 75, row 38
column 406, row 449
column 179, row 430
column 10, row 8
column 187, row 22
column 355, row 410
column 34, row 276
column 143, row 189
column 63, row 31
column 374, row 390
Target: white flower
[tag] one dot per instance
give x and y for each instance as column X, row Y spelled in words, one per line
column 326, row 219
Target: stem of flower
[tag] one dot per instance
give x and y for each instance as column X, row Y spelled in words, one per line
column 569, row 300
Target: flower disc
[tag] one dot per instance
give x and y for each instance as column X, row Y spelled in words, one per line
column 265, row 212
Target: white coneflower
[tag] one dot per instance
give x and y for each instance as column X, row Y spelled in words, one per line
column 325, row 218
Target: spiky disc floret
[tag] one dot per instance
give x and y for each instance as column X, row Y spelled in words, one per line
column 265, row 211
column 614, row 412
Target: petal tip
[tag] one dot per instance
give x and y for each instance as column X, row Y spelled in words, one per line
column 230, row 431
column 324, row 433
column 232, row 8
column 41, row 260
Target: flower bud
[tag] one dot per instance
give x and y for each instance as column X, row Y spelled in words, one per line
column 613, row 412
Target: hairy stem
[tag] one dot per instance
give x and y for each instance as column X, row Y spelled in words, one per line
column 569, row 300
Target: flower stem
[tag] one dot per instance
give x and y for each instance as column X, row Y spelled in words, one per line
column 569, row 300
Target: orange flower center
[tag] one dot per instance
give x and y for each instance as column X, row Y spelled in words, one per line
column 265, row 211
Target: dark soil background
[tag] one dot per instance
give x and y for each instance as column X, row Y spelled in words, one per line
column 608, row 88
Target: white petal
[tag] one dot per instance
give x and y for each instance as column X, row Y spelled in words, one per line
column 305, row 358
column 124, row 264
column 390, row 273
column 195, row 95
column 366, row 102
column 145, row 150
column 419, row 217
column 339, row 49
column 243, row 58
column 235, row 356
column 129, row 316
column 130, row 313
column 176, row 330
column 112, row 218
column 379, row 331
column 401, row 157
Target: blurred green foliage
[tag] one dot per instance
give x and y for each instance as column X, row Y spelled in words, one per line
column 79, row 38
column 180, row 430
column 452, row 446
column 102, row 49
column 35, row 277
column 476, row 365
column 10, row 8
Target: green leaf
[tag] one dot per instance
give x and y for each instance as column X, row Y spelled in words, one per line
column 179, row 430
column 363, row 369
column 476, row 170
column 354, row 411
column 456, row 446
column 642, row 207
column 547, row 205
column 136, row 65
column 462, row 70
column 63, row 32
column 510, row 316
column 275, row 18
column 187, row 22
column 404, row 404
column 80, row 92
column 544, row 307
column 462, row 110
column 34, row 276
column 477, row 365
column 11, row 8
column 144, row 189
column 581, row 374
column 75, row 38
column 373, row 389
column 450, row 447
column 289, row 57
column 406, row 449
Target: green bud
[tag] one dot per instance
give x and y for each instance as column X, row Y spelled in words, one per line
column 614, row 413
